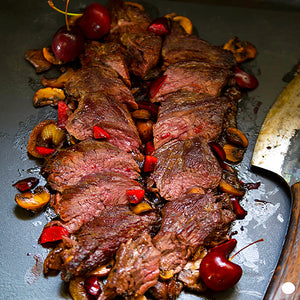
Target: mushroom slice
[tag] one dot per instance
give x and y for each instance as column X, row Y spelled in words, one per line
column 184, row 22
column 141, row 208
column 236, row 137
column 45, row 134
column 77, row 289
column 58, row 82
column 37, row 59
column 241, row 50
column 233, row 153
column 48, row 96
column 33, row 201
column 49, row 56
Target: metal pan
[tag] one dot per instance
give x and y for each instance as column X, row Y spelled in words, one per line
column 274, row 28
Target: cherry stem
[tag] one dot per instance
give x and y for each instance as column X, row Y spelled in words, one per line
column 260, row 240
column 51, row 4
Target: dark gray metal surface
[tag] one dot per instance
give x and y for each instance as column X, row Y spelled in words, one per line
column 274, row 29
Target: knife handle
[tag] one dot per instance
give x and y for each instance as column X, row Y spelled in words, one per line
column 286, row 277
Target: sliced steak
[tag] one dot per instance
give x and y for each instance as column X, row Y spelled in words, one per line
column 193, row 76
column 109, row 54
column 188, row 223
column 184, row 166
column 135, row 271
column 82, row 202
column 70, row 165
column 143, row 50
column 107, row 113
column 98, row 241
column 184, row 47
column 99, row 79
column 184, row 115
column 126, row 17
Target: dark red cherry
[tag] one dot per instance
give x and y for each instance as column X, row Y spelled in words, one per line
column 245, row 80
column 217, row 271
column 67, row 44
column 92, row 285
column 95, row 21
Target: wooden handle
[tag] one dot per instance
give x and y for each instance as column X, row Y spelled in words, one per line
column 285, row 283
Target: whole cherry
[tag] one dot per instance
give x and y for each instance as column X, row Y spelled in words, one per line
column 67, row 44
column 217, row 271
column 95, row 21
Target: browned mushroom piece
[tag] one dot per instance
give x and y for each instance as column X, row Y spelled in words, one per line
column 242, row 50
column 184, row 22
column 228, row 188
column 145, row 129
column 103, row 270
column 45, row 134
column 35, row 200
column 49, row 56
column 58, row 82
column 234, row 154
column 141, row 208
column 141, row 114
column 37, row 59
column 77, row 289
column 48, row 96
column 237, row 137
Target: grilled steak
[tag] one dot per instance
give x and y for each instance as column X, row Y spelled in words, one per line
column 99, row 79
column 184, row 115
column 107, row 113
column 183, row 166
column 97, row 241
column 166, row 290
column 69, row 166
column 193, row 76
column 126, row 17
column 80, row 203
column 179, row 46
column 143, row 50
column 136, row 269
column 188, row 223
column 129, row 27
column 109, row 54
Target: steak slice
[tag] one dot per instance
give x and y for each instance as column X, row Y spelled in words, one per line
column 184, row 115
column 193, row 76
column 109, row 54
column 82, row 202
column 135, row 271
column 126, row 17
column 190, row 222
column 98, row 241
column 107, row 113
column 143, row 50
column 99, row 79
column 184, row 47
column 184, row 166
column 70, row 165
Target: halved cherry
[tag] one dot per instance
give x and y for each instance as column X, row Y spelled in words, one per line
column 245, row 80
column 53, row 234
column 239, row 211
column 149, row 163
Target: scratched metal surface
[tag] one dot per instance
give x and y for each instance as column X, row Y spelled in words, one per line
column 273, row 28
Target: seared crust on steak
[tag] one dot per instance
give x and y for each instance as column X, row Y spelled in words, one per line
column 136, row 269
column 193, row 76
column 82, row 202
column 98, row 241
column 70, row 165
column 183, row 166
column 184, row 115
column 189, row 222
column 107, row 113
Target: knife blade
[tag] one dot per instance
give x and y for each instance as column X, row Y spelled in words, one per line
column 277, row 149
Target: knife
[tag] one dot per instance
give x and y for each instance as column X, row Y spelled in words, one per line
column 277, row 149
